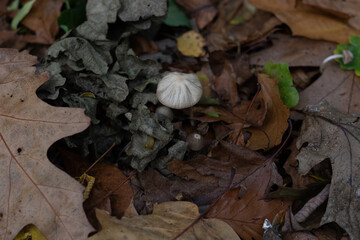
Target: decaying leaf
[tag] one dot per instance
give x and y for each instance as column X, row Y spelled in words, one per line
column 191, row 44
column 202, row 10
column 167, row 220
column 295, row 51
column 247, row 214
column 200, row 179
column 288, row 94
column 224, row 35
column 330, row 134
column 42, row 19
column 225, row 84
column 110, row 179
column 131, row 10
column 338, row 87
column 33, row 190
column 312, row 204
column 307, row 21
column 91, row 58
column 275, row 124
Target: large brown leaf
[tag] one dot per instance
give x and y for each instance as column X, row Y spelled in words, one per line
column 307, row 21
column 167, row 220
column 33, row 190
column 247, row 215
column 295, row 51
column 270, row 133
column 330, row 134
column 338, row 87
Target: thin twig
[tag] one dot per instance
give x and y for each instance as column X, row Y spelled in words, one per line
column 114, row 190
column 111, row 147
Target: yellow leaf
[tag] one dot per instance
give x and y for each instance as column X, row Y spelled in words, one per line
column 191, row 44
column 90, row 180
column 30, row 232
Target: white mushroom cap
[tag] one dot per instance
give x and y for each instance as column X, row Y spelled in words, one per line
column 179, row 90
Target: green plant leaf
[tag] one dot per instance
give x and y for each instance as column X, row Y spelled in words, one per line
column 73, row 16
column 211, row 114
column 354, row 48
column 176, row 16
column 14, row 5
column 288, row 94
column 21, row 14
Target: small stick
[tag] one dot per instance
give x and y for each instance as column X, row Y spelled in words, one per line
column 114, row 190
column 111, row 147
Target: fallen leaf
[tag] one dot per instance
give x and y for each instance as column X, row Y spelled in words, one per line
column 141, row 45
column 343, row 9
column 34, row 190
column 328, row 233
column 247, row 214
column 225, row 84
column 338, row 87
column 275, row 124
column 330, row 134
column 12, row 60
column 200, row 179
column 30, row 232
column 291, row 168
column 202, row 10
column 191, row 44
column 130, row 10
column 110, row 179
column 224, row 36
column 236, row 118
column 42, row 19
column 295, row 51
column 308, row 21
column 167, row 220
column 21, row 14
column 288, row 94
column 299, row 235
column 3, row 7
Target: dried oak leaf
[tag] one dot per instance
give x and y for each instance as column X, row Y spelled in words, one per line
column 338, row 87
column 330, row 134
column 295, row 51
column 246, row 215
column 307, row 21
column 275, row 124
column 167, row 220
column 34, row 190
column 42, row 19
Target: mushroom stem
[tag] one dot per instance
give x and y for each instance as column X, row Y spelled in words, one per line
column 328, row 59
column 346, row 55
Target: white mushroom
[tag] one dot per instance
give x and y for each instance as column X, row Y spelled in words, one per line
column 179, row 90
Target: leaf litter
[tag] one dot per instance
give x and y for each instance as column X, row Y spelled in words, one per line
column 110, row 65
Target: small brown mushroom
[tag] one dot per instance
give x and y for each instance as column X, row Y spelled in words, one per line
column 196, row 141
